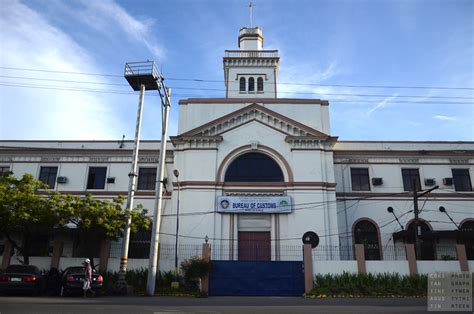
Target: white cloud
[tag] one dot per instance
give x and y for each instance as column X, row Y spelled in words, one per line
column 384, row 103
column 106, row 15
column 309, row 75
column 444, row 118
column 30, row 41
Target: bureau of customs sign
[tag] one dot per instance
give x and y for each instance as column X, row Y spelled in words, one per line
column 450, row 291
column 254, row 204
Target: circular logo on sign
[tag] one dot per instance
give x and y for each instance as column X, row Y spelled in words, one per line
column 283, row 202
column 225, row 204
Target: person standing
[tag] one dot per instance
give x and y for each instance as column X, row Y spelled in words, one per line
column 87, row 286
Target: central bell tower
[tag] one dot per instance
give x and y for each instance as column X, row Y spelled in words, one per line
column 251, row 72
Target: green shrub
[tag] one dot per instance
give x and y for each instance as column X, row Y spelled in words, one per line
column 195, row 268
column 386, row 284
column 137, row 278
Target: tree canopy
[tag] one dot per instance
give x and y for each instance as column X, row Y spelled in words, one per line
column 29, row 209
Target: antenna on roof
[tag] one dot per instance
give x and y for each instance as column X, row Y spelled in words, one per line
column 250, row 10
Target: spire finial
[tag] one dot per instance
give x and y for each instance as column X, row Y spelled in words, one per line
column 250, row 10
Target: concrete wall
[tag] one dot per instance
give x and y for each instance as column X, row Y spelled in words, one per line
column 334, row 267
column 194, row 115
column 379, row 267
column 425, row 267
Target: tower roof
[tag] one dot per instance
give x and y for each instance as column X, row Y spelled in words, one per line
column 251, row 35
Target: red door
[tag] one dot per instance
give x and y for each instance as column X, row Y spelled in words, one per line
column 254, row 246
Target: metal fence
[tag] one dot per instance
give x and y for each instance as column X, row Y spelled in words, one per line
column 226, row 252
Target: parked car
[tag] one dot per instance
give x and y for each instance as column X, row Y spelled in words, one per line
column 22, row 278
column 72, row 279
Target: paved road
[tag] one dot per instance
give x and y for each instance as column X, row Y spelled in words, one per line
column 19, row 304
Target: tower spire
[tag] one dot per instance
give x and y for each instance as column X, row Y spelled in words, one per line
column 250, row 11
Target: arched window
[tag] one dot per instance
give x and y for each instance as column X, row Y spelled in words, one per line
column 260, row 84
column 468, row 226
column 426, row 244
column 251, row 84
column 254, row 167
column 242, row 84
column 365, row 232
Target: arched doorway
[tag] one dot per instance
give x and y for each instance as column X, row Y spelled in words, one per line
column 254, row 230
column 254, row 167
column 365, row 232
column 468, row 242
column 426, row 244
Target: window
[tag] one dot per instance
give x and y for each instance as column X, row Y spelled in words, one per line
column 410, row 175
column 426, row 243
column 360, row 179
column 39, row 245
column 462, row 181
column 254, row 167
column 96, row 178
column 48, row 176
column 251, row 84
column 146, row 179
column 139, row 246
column 260, row 84
column 242, row 84
column 365, row 232
column 468, row 227
column 4, row 170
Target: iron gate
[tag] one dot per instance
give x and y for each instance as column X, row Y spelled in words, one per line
column 256, row 278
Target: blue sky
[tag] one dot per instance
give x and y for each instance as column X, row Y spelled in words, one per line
column 330, row 42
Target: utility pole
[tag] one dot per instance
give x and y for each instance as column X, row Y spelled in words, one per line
column 145, row 76
column 417, row 219
column 155, row 231
column 176, row 174
column 415, row 209
column 131, row 190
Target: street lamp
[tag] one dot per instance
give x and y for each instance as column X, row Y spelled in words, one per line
column 390, row 210
column 176, row 174
column 443, row 210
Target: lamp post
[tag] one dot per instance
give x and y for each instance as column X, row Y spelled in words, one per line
column 390, row 210
column 443, row 210
column 176, row 174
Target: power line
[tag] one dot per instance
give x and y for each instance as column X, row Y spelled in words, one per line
column 234, row 90
column 81, row 89
column 63, row 72
column 222, row 81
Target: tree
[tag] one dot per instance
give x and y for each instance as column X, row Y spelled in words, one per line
column 27, row 210
column 101, row 219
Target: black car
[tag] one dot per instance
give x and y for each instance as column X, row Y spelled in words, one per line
column 21, row 278
column 72, row 280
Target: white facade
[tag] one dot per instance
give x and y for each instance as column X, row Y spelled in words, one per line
column 294, row 133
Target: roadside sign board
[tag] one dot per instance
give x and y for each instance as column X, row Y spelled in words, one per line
column 254, row 204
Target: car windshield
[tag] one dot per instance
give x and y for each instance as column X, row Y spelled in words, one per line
column 22, row 269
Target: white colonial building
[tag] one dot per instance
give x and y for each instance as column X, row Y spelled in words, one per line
column 257, row 171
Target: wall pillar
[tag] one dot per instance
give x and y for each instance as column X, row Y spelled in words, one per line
column 360, row 257
column 7, row 254
column 411, row 258
column 57, row 252
column 462, row 257
column 104, row 255
column 206, row 255
column 308, row 267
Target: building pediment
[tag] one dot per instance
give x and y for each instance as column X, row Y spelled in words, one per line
column 216, row 128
